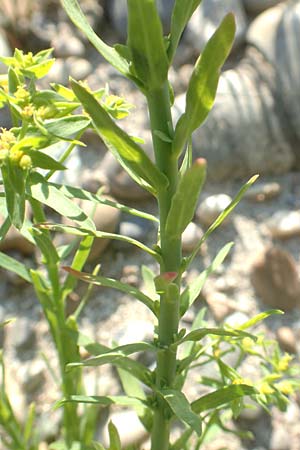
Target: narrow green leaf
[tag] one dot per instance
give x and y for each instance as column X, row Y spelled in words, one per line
column 31, row 142
column 193, row 290
column 115, row 353
column 66, row 127
column 114, row 438
column 204, row 82
column 97, row 446
column 79, row 260
column 128, row 365
column 222, row 397
column 182, row 409
column 197, row 335
column 11, row 264
column 258, row 318
column 29, row 424
column 145, row 40
column 74, row 192
column 112, row 283
column 133, row 159
column 64, row 92
column 14, row 186
column 221, row 218
column 39, row 70
column 75, row 13
column 163, row 136
column 39, row 189
column 101, row 400
column 185, row 199
column 81, row 231
column 182, row 12
column 149, row 284
column 5, row 227
column 44, row 161
column 13, row 80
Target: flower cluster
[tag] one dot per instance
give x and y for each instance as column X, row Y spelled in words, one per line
column 10, row 151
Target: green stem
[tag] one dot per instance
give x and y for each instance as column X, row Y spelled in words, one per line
column 161, row 120
column 70, row 382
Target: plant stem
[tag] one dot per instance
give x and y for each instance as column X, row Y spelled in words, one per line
column 66, row 349
column 161, row 120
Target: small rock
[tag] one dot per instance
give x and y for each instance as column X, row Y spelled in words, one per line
column 130, row 428
column 252, row 413
column 80, row 68
column 134, row 331
column 208, row 211
column 263, row 191
column 275, row 279
column 218, row 305
column 191, row 236
column 130, row 275
column 137, row 331
column 5, row 50
column 49, row 425
column 257, row 6
column 24, row 335
column 134, row 227
column 287, row 339
column 284, row 224
column 207, row 18
column 236, row 319
column 280, row 439
column 59, row 72
column 239, row 145
column 121, row 185
column 32, row 376
column 270, row 34
column 14, row 240
column 66, row 44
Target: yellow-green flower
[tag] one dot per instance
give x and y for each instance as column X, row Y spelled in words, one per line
column 25, row 162
column 265, row 388
column 285, row 387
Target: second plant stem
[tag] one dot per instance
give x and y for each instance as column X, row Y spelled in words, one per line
column 168, row 321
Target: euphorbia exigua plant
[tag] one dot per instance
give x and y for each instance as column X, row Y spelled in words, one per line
column 42, row 118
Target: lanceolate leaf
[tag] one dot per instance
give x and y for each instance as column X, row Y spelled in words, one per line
column 66, row 127
column 197, row 335
column 114, row 438
column 222, row 397
column 118, row 359
column 112, row 283
column 74, row 192
column 44, row 161
column 39, row 189
column 81, row 231
column 182, row 409
column 129, row 154
column 193, row 290
column 145, row 40
column 14, row 186
column 258, row 318
column 221, row 217
column 109, row 53
column 11, row 264
column 102, row 400
column 185, row 199
column 204, row 82
column 182, row 12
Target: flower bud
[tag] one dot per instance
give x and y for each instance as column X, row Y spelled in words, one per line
column 25, row 162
